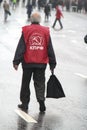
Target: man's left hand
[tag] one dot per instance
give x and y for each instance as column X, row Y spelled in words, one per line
column 15, row 67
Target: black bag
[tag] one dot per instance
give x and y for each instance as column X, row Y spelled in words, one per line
column 85, row 39
column 54, row 88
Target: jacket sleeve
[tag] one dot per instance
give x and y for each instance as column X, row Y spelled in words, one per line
column 51, row 55
column 19, row 53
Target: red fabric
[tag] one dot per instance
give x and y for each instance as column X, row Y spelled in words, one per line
column 36, row 40
column 58, row 13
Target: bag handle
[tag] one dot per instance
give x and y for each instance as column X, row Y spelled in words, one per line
column 52, row 71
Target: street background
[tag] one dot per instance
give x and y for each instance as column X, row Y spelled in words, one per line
column 69, row 113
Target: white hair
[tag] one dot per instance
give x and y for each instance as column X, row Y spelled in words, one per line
column 35, row 17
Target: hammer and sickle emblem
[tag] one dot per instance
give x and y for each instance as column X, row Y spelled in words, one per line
column 36, row 39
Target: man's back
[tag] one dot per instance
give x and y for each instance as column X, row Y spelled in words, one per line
column 36, row 40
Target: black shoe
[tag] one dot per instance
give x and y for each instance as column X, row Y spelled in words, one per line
column 23, row 107
column 42, row 106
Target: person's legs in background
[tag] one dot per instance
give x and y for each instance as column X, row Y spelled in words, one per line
column 60, row 23
column 54, row 23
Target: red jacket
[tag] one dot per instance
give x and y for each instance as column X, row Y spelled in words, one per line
column 36, row 40
column 58, row 13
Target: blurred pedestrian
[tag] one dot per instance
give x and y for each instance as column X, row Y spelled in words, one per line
column 17, row 2
column 6, row 10
column 85, row 6
column 29, row 10
column 0, row 2
column 74, row 4
column 47, row 12
column 34, row 3
column 14, row 4
column 34, row 50
column 23, row 3
column 39, row 5
column 58, row 17
column 10, row 2
column 79, row 6
column 67, row 4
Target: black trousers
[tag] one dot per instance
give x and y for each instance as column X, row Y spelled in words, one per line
column 39, row 84
column 6, row 13
column 59, row 23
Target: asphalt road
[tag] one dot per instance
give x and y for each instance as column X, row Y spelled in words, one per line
column 69, row 113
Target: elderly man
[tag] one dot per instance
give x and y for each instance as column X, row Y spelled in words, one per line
column 34, row 51
column 6, row 10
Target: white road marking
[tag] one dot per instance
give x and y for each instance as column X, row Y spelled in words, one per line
column 72, row 31
column 81, row 75
column 73, row 41
column 25, row 116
